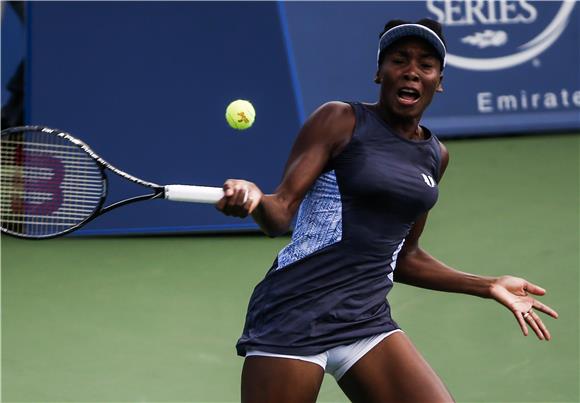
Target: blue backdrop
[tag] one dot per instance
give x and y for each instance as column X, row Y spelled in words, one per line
column 146, row 83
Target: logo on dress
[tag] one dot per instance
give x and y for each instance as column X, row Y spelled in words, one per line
column 428, row 180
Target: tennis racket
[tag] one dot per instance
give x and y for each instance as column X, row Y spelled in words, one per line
column 52, row 184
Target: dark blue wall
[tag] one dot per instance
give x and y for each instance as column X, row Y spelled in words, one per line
column 146, row 85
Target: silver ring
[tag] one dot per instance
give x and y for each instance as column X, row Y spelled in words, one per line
column 527, row 313
column 246, row 193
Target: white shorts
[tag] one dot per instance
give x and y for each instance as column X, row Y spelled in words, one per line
column 337, row 360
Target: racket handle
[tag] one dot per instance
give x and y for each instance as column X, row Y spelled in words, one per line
column 193, row 194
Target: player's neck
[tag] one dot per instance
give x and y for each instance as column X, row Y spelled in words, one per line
column 407, row 127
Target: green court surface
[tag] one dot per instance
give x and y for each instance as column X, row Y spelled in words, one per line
column 155, row 319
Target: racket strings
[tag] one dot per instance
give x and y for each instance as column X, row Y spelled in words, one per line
column 48, row 184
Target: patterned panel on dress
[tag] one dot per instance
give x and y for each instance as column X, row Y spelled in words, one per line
column 319, row 221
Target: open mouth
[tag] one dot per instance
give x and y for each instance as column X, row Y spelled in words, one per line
column 408, row 96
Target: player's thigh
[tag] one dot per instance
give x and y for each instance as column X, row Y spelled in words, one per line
column 393, row 371
column 272, row 379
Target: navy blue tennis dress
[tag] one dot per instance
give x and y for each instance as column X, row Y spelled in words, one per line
column 329, row 286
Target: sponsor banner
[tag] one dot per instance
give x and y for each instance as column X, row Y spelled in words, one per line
column 513, row 65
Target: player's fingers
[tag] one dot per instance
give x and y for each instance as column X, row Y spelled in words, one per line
column 253, row 201
column 521, row 322
column 242, row 207
column 220, row 204
column 534, row 289
column 532, row 322
column 541, row 325
column 225, row 205
column 233, row 195
column 241, row 195
column 237, row 202
column 240, row 198
column 545, row 308
column 228, row 187
column 248, row 199
column 253, row 205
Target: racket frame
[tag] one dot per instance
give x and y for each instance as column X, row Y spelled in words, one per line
column 158, row 191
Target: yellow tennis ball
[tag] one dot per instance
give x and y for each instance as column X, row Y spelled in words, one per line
column 240, row 114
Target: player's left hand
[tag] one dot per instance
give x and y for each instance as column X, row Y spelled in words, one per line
column 513, row 293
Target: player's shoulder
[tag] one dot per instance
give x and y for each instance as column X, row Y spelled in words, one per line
column 331, row 124
column 336, row 109
column 333, row 115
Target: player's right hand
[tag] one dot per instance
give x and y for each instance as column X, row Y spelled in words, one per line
column 240, row 198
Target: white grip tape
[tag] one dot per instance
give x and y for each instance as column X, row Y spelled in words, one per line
column 193, row 194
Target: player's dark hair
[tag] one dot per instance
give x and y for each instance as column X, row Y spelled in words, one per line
column 426, row 22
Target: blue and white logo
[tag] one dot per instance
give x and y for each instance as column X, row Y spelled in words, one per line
column 486, row 35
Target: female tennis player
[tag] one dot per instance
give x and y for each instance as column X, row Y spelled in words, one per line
column 362, row 178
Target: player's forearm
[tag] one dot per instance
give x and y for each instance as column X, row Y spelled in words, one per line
column 273, row 215
column 422, row 270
